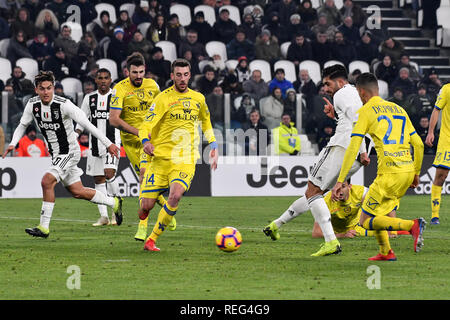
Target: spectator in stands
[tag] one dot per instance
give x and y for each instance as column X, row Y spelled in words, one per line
column 259, row 131
column 323, row 26
column 216, row 102
column 159, row 66
column 40, row 49
column 124, row 22
column 176, row 32
column 272, row 108
column 275, row 27
column 244, row 105
column 30, row 145
column 297, row 27
column 290, row 103
column 87, row 12
column 194, row 63
column 432, row 82
column 105, row 28
column 422, row 131
column 65, row 41
column 307, row 13
column 47, row 22
column 325, row 134
column 88, row 87
column 405, row 63
column 118, row 48
column 332, row 13
column 366, row 50
column 350, row 31
column 306, row 86
column 392, row 48
column 15, row 107
column 23, row 23
column 21, row 85
column 286, row 138
column 59, row 8
column 321, row 49
column 421, row 103
column 204, row 30
column 398, row 97
column 34, row 7
column 83, row 141
column 242, row 70
column 207, row 82
column 88, row 41
column 267, row 47
column 285, row 9
column 342, row 50
column 142, row 13
column 225, row 28
column 354, row 76
column 4, row 29
column 17, row 48
column 156, row 8
column 314, row 119
column 386, row 70
column 256, row 86
column 141, row 45
column 158, row 30
column 240, row 46
column 192, row 44
column 230, row 84
column 299, row 50
column 250, row 28
column 279, row 81
column 355, row 11
column 404, row 82
column 257, row 13
column 59, row 90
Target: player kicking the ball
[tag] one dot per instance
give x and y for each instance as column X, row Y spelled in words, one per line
column 393, row 134
column 54, row 116
column 326, row 170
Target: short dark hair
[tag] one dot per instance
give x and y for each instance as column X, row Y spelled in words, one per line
column 180, row 63
column 102, row 70
column 44, row 76
column 367, row 80
column 334, row 72
column 135, row 59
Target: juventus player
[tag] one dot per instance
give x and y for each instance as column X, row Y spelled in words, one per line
column 54, row 116
column 326, row 170
column 100, row 164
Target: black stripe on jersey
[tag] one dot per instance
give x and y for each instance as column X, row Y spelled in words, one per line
column 110, row 130
column 61, row 134
column 93, row 100
column 37, row 108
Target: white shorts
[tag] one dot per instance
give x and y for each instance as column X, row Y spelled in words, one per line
column 95, row 166
column 328, row 166
column 64, row 168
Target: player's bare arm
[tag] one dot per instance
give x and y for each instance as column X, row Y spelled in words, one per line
column 433, row 121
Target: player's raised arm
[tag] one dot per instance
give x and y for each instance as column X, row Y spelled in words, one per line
column 25, row 120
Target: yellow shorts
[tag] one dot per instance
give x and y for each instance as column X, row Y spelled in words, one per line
column 385, row 193
column 161, row 173
column 442, row 159
column 136, row 155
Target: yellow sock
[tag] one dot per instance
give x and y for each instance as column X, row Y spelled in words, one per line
column 382, row 237
column 161, row 200
column 436, row 192
column 143, row 222
column 165, row 216
column 387, row 223
column 367, row 233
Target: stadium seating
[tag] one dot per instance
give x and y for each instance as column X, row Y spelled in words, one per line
column 71, row 87
column 106, row 7
column 4, row 43
column 169, row 49
column 217, row 47
column 183, row 12
column 284, row 49
column 383, row 89
column 208, row 11
column 130, row 7
column 443, row 22
column 111, row 65
column 76, row 30
column 231, row 64
column 143, row 27
column 357, row 64
column 234, row 13
column 331, row 63
column 288, row 67
column 29, row 66
column 313, row 68
column 5, row 66
column 262, row 66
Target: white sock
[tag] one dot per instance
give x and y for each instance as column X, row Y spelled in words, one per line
column 46, row 213
column 101, row 207
column 112, row 186
column 102, row 198
column 298, row 207
column 321, row 214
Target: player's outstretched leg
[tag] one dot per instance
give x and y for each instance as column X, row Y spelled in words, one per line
column 103, row 209
column 436, row 192
column 297, row 208
column 165, row 217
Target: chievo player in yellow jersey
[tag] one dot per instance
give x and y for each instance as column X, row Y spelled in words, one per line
column 442, row 159
column 130, row 100
column 170, row 136
column 393, row 134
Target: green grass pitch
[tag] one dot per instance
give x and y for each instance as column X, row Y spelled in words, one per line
column 113, row 265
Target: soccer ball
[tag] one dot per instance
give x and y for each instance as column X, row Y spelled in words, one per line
column 228, row 239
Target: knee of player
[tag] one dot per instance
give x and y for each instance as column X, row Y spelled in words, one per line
column 46, row 183
column 312, row 190
column 174, row 197
column 147, row 204
column 440, row 177
column 109, row 176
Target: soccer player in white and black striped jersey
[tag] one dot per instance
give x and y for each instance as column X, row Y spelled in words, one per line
column 100, row 164
column 54, row 116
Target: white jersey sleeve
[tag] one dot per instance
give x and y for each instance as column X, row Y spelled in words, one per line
column 85, row 109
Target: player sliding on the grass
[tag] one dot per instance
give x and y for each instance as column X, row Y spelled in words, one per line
column 54, row 116
column 393, row 134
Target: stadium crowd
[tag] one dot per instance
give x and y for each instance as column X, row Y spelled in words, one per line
column 35, row 29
